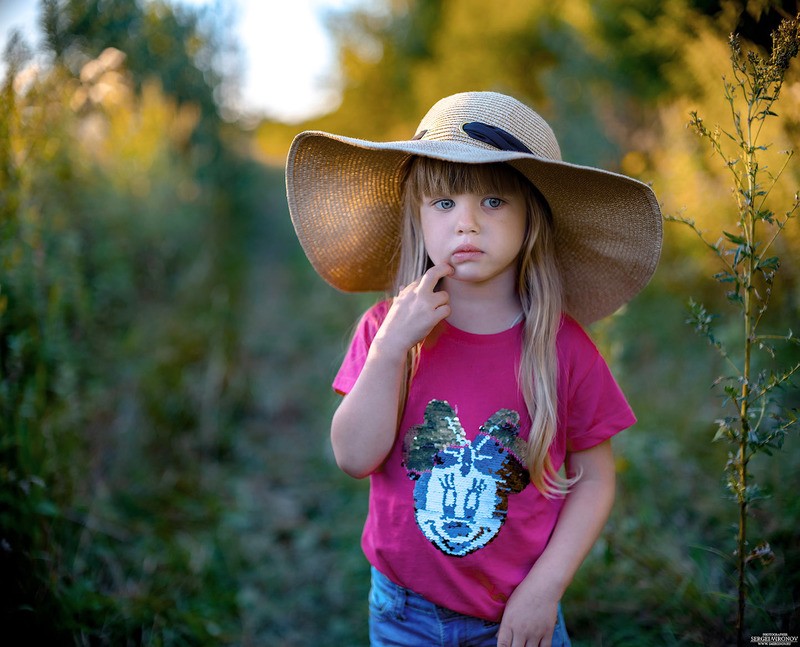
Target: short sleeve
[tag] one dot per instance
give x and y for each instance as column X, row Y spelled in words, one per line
column 356, row 355
column 593, row 406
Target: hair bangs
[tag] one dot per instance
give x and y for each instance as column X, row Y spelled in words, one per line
column 432, row 177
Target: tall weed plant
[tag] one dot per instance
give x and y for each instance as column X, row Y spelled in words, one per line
column 757, row 415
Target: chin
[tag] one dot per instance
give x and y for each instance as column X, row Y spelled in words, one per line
column 469, row 277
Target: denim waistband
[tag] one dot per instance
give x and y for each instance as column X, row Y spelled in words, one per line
column 404, row 597
column 406, row 605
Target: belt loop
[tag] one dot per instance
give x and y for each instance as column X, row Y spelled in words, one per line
column 400, row 601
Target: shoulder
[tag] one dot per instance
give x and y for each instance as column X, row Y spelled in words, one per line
column 378, row 311
column 571, row 333
column 372, row 319
column 575, row 347
column 369, row 323
column 356, row 354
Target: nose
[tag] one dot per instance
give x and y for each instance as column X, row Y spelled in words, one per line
column 467, row 221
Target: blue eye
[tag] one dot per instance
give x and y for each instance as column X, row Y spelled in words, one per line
column 445, row 203
column 493, row 203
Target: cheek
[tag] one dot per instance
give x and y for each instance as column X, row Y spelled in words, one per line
column 516, row 237
column 431, row 237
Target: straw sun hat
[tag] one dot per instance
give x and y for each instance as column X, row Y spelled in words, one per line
column 345, row 201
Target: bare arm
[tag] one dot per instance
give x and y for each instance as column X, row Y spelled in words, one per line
column 364, row 426
column 530, row 614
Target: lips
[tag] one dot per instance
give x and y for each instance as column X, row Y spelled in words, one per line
column 464, row 253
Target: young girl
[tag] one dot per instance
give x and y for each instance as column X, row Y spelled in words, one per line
column 473, row 400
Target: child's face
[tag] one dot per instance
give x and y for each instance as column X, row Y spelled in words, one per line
column 479, row 235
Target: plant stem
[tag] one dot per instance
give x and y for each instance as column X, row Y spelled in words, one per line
column 741, row 468
column 742, row 544
column 748, row 221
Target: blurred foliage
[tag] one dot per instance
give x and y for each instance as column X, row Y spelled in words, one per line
column 119, row 342
column 166, row 350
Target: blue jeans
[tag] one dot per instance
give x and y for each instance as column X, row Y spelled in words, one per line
column 401, row 618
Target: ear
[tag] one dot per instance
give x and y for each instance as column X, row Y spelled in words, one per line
column 501, row 432
column 503, row 427
column 441, row 429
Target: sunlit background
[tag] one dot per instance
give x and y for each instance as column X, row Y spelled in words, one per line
column 166, row 351
column 303, row 86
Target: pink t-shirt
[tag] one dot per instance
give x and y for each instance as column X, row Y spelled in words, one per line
column 452, row 515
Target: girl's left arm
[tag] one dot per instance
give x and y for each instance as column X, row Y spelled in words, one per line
column 531, row 611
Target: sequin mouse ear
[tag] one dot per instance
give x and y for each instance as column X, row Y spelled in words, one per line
column 500, row 434
column 440, row 430
column 503, row 428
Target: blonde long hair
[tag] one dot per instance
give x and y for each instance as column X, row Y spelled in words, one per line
column 538, row 286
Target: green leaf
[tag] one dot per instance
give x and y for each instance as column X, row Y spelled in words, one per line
column 734, row 297
column 734, row 238
column 733, row 394
column 47, row 508
column 725, row 430
column 726, row 277
column 771, row 263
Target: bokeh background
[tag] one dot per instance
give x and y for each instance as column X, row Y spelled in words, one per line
column 166, row 351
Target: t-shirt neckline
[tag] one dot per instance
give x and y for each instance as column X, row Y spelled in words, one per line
column 483, row 338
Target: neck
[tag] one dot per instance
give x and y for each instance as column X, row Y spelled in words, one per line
column 482, row 308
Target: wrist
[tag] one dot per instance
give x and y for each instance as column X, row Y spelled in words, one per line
column 387, row 350
column 546, row 584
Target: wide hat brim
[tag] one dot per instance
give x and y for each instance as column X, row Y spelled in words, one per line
column 345, row 199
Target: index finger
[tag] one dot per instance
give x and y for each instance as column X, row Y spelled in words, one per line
column 434, row 275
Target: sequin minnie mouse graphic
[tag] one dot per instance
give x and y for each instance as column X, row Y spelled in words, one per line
column 462, row 487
